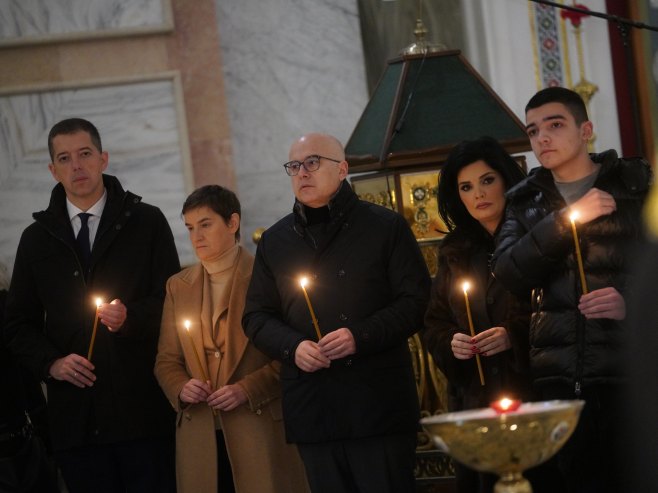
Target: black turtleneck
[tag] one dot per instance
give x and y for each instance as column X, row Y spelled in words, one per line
column 317, row 220
column 316, row 215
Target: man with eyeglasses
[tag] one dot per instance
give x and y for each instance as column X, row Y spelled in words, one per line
column 349, row 398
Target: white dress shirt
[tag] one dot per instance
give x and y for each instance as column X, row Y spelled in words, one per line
column 94, row 220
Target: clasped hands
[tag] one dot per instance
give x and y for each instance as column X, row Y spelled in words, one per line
column 312, row 356
column 486, row 343
column 226, row 398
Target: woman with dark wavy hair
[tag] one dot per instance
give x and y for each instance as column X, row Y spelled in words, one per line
column 471, row 202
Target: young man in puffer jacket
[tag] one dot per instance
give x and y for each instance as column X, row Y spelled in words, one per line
column 576, row 331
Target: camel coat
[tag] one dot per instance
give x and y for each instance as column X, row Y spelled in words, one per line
column 261, row 460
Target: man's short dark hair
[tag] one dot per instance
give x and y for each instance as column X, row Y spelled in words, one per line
column 567, row 97
column 71, row 126
column 221, row 200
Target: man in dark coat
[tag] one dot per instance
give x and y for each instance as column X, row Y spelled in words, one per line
column 576, row 332
column 111, row 426
column 349, row 398
column 25, row 464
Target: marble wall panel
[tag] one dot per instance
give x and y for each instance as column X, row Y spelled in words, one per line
column 142, row 127
column 28, row 21
column 290, row 67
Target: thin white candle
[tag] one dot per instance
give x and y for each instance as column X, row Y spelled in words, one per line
column 466, row 286
column 99, row 302
column 579, row 259
column 303, row 282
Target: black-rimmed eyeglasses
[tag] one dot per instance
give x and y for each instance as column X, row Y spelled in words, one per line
column 311, row 163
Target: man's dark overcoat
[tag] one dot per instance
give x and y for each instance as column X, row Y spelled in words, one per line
column 365, row 273
column 51, row 309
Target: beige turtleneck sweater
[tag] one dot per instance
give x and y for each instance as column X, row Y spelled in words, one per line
column 218, row 274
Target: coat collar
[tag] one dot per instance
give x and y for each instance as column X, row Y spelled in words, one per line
column 340, row 203
column 118, row 210
column 339, row 208
column 194, row 274
column 541, row 178
column 190, row 299
column 55, row 217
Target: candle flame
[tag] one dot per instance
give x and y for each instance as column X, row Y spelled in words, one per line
column 505, row 403
column 99, row 302
column 466, row 286
column 303, row 282
column 574, row 215
column 187, row 325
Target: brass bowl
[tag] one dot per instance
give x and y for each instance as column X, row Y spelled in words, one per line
column 505, row 443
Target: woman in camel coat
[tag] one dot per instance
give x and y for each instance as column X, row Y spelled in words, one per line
column 229, row 433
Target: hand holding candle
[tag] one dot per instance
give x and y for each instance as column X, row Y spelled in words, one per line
column 574, row 215
column 466, row 287
column 302, row 282
column 99, row 302
column 113, row 315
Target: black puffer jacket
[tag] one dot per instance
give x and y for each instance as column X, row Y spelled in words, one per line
column 536, row 251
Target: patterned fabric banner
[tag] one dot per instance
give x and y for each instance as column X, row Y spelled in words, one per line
column 547, row 23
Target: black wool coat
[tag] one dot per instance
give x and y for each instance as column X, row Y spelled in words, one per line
column 536, row 251
column 465, row 256
column 366, row 273
column 50, row 314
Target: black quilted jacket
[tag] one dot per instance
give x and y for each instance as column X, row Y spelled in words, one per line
column 536, row 252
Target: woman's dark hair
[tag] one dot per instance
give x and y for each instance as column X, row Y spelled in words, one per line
column 219, row 199
column 451, row 208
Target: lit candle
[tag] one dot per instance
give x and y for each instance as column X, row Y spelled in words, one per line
column 466, row 286
column 196, row 354
column 574, row 215
column 303, row 282
column 505, row 405
column 99, row 302
column 198, row 360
